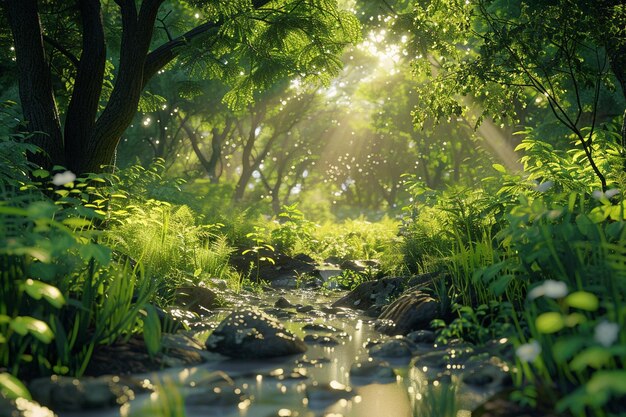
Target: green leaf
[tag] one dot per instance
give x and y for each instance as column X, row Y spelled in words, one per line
column 499, row 168
column 38, row 289
column 583, row 300
column 11, row 387
column 550, row 322
column 40, row 173
column 76, row 222
column 100, row 253
column 152, row 330
column 565, row 348
column 608, row 381
column 594, row 357
column 37, row 328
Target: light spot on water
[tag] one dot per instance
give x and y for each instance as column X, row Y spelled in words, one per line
column 336, row 385
column 244, row 404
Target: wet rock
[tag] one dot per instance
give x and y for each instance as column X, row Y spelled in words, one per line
column 447, row 358
column 323, row 396
column 372, row 371
column 304, row 309
column 333, row 260
column 412, row 311
column 178, row 316
column 321, row 340
column 319, row 327
column 421, row 336
column 197, row 299
column 374, row 295
column 303, row 257
column 307, row 363
column 490, row 373
column 279, row 313
column 22, row 407
column 72, row 394
column 395, row 348
column 337, row 311
column 252, row 334
column 360, row 265
column 284, row 272
column 180, row 350
column 327, row 273
column 501, row 348
column 220, row 284
column 222, row 395
column 372, row 342
column 282, row 302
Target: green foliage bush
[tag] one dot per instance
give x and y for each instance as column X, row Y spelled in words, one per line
column 62, row 295
column 509, row 244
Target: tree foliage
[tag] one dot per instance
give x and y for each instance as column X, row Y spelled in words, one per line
column 78, row 111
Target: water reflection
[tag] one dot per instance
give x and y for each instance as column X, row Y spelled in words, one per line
column 315, row 384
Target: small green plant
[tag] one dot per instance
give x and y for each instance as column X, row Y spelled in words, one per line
column 260, row 246
column 347, row 280
column 294, row 233
column 476, row 325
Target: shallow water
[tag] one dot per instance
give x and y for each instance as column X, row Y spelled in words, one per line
column 271, row 391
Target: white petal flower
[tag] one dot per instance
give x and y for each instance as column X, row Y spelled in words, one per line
column 63, row 178
column 597, row 194
column 606, row 333
column 544, row 186
column 549, row 288
column 528, row 352
column 608, row 194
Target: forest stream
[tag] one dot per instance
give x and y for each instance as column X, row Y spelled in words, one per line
column 349, row 369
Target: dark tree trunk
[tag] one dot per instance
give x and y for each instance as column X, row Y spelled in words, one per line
column 83, row 107
column 209, row 165
column 35, row 85
column 137, row 28
column 89, row 142
column 216, row 152
column 246, row 162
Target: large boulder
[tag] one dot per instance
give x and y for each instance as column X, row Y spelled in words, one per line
column 252, row 334
column 412, row 311
column 373, row 296
column 197, row 299
column 282, row 272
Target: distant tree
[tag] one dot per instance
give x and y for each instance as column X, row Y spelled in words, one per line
column 245, row 43
column 567, row 54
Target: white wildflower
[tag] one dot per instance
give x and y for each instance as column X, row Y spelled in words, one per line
column 528, row 352
column 550, row 288
column 544, row 186
column 606, row 333
column 608, row 194
column 63, row 178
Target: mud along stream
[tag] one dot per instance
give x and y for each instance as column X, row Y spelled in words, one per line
column 349, row 369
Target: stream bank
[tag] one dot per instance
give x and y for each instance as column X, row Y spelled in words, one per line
column 349, row 368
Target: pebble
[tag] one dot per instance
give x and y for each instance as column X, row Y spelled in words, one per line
column 394, row 348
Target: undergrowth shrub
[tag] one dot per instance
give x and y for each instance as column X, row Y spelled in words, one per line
column 62, row 295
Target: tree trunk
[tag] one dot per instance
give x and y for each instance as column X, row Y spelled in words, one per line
column 35, row 84
column 216, row 152
column 83, row 106
column 137, row 28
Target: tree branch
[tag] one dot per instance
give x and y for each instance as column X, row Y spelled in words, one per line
column 66, row 52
